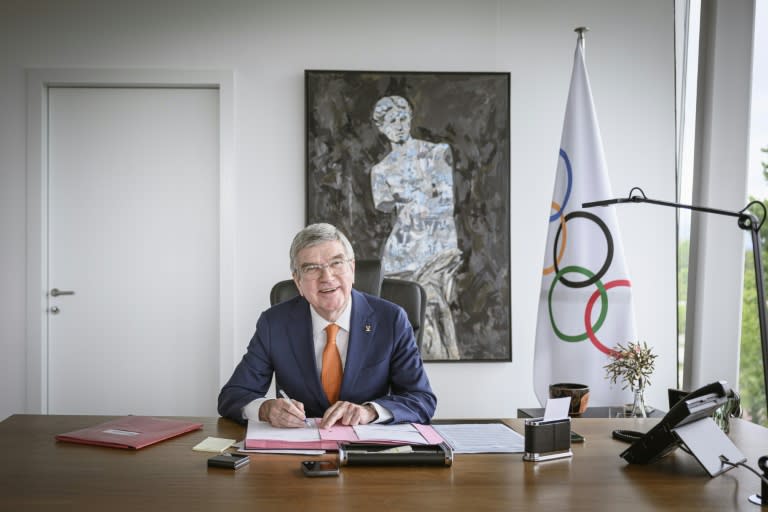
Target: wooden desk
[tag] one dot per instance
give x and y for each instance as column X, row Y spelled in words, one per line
column 37, row 473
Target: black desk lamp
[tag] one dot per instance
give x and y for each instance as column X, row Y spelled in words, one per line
column 746, row 221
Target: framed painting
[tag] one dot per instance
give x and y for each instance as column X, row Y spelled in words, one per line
column 414, row 168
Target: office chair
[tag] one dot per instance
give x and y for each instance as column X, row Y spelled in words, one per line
column 409, row 295
column 368, row 276
column 368, row 279
column 412, row 297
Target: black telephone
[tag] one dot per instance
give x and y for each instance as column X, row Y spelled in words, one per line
column 661, row 439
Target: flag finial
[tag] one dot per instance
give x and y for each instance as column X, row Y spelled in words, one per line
column 581, row 31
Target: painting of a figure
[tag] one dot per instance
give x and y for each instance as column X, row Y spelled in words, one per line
column 415, row 168
column 415, row 180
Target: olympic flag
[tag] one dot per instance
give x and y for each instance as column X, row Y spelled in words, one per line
column 585, row 306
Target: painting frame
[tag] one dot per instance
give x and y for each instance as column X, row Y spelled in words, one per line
column 346, row 147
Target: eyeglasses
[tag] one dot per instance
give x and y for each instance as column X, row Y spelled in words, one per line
column 336, row 267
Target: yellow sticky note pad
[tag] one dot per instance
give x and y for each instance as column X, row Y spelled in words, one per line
column 213, row 444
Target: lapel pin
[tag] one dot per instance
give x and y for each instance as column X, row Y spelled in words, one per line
column 367, row 327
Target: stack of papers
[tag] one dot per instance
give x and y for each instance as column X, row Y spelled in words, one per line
column 404, row 433
column 481, row 438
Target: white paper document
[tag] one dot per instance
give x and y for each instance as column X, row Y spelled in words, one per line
column 263, row 430
column 405, row 433
column 557, row 408
column 481, row 438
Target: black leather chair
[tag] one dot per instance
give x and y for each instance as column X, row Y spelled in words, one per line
column 409, row 295
column 368, row 276
column 412, row 297
column 282, row 291
column 368, row 279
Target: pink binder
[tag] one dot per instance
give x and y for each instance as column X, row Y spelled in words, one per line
column 130, row 432
column 330, row 439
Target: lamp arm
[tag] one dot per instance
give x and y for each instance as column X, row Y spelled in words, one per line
column 747, row 221
column 761, row 315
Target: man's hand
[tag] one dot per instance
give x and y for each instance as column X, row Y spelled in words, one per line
column 348, row 414
column 280, row 412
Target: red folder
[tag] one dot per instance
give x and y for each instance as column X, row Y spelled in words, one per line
column 130, row 432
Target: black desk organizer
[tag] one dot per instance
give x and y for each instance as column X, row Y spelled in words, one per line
column 547, row 440
column 359, row 454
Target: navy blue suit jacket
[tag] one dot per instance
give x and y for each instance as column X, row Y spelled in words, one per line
column 383, row 362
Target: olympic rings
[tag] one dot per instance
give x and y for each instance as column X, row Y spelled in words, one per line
column 588, row 314
column 551, row 268
column 569, row 185
column 608, row 257
column 592, row 278
column 600, row 291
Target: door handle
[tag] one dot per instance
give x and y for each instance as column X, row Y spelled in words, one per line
column 55, row 292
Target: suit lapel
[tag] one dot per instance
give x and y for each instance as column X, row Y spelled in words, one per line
column 361, row 330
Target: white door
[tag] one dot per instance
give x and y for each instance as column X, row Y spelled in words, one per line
column 133, row 232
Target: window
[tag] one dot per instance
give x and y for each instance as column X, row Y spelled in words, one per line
column 750, row 382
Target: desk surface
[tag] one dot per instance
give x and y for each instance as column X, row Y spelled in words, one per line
column 37, row 473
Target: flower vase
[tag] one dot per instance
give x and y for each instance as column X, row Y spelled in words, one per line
column 638, row 404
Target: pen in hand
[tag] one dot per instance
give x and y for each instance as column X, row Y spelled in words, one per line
column 283, row 394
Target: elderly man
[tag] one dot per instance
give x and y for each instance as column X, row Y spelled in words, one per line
column 338, row 353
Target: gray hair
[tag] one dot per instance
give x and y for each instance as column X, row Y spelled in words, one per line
column 315, row 234
column 388, row 103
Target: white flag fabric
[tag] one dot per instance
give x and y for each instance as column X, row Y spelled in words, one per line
column 585, row 306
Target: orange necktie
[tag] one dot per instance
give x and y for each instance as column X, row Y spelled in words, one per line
column 332, row 372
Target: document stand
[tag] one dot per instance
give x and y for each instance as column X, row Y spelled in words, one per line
column 707, row 443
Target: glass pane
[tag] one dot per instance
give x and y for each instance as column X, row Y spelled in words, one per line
column 751, row 383
column 687, row 62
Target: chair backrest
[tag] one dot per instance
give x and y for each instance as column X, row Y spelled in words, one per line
column 412, row 297
column 368, row 278
column 282, row 291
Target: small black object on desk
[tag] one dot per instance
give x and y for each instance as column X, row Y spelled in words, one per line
column 228, row 460
column 547, row 440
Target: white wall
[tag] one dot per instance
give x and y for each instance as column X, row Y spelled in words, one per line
column 268, row 44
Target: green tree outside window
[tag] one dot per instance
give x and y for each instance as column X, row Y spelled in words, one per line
column 751, row 384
